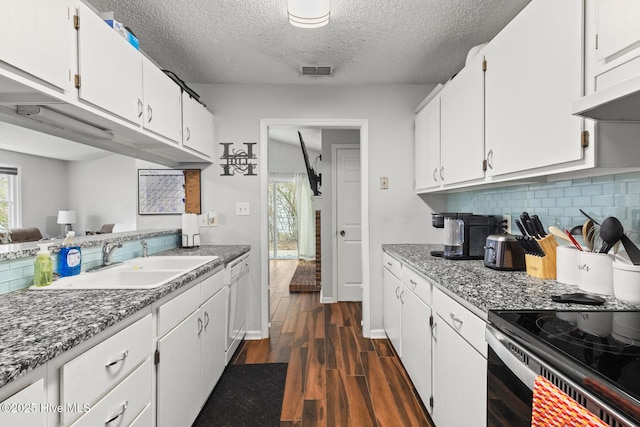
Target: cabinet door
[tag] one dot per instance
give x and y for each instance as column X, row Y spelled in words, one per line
column 178, row 374
column 427, row 146
column 416, row 343
column 617, row 28
column 197, row 126
column 23, row 408
column 459, row 378
column 35, row 36
column 110, row 68
column 462, row 125
column 392, row 309
column 163, row 102
column 213, row 341
column 534, row 74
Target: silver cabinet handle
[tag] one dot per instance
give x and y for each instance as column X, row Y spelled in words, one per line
column 456, row 319
column 149, row 113
column 200, row 327
column 390, row 264
column 434, row 331
column 188, row 134
column 434, row 175
column 442, row 173
column 413, row 282
column 397, row 289
column 124, row 407
column 490, row 159
column 401, row 300
column 206, row 320
column 342, row 233
column 140, row 108
column 118, row 360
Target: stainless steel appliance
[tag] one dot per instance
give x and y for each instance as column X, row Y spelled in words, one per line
column 503, row 252
column 592, row 356
column 465, row 235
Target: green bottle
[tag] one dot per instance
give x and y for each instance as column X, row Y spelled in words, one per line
column 43, row 267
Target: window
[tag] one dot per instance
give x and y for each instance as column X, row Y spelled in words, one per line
column 9, row 217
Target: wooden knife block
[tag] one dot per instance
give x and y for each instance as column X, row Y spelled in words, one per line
column 543, row 267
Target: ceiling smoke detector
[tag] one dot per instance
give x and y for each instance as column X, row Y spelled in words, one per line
column 316, row 71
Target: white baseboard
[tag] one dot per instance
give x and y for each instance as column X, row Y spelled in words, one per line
column 327, row 300
column 377, row 334
column 254, row 335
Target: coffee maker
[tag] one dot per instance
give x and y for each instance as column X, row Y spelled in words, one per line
column 465, row 235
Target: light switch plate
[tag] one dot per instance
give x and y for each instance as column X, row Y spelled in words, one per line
column 243, row 208
column 212, row 219
column 384, row 182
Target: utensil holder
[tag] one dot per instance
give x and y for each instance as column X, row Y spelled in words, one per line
column 543, row 267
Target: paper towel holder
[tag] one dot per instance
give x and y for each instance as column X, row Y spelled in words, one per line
column 194, row 238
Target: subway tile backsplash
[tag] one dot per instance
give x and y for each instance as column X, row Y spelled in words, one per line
column 558, row 203
column 18, row 274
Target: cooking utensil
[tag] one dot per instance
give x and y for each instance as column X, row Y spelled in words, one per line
column 576, row 231
column 588, row 217
column 632, row 250
column 558, row 233
column 586, row 228
column 611, row 231
column 573, row 240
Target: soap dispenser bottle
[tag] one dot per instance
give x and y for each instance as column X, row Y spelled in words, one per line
column 43, row 267
column 70, row 257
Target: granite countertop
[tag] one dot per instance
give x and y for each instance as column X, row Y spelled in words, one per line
column 481, row 289
column 37, row 326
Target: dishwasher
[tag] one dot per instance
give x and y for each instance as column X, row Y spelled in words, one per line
column 237, row 282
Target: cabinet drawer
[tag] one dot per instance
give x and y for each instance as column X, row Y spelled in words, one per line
column 92, row 374
column 417, row 284
column 175, row 311
column 211, row 285
column 124, row 403
column 24, row 407
column 464, row 322
column 392, row 264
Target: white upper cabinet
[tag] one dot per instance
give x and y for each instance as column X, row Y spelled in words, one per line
column 534, row 74
column 197, row 126
column 427, row 146
column 162, row 102
column 35, row 38
column 462, row 125
column 110, row 68
column 617, row 29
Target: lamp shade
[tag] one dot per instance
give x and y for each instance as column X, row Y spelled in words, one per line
column 66, row 217
column 309, row 13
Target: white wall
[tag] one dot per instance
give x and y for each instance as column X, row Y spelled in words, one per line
column 44, row 190
column 103, row 191
column 287, row 158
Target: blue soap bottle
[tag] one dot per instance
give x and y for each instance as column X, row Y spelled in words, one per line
column 70, row 257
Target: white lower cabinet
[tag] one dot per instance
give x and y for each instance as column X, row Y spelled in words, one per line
column 191, row 354
column 24, row 408
column 416, row 342
column 392, row 305
column 460, row 365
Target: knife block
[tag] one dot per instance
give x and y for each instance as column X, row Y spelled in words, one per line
column 543, row 267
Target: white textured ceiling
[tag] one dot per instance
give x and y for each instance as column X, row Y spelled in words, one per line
column 366, row 41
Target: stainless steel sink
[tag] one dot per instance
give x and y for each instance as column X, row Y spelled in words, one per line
column 138, row 273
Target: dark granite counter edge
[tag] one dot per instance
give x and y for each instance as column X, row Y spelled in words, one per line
column 21, row 352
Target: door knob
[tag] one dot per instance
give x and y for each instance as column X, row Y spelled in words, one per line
column 342, row 233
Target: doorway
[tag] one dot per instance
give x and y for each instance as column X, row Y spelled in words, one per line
column 329, row 291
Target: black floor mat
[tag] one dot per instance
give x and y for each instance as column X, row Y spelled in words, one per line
column 246, row 395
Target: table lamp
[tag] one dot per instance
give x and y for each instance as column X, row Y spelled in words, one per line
column 67, row 218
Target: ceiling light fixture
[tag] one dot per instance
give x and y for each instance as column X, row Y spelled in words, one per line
column 309, row 13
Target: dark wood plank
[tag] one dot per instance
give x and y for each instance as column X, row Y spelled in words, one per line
column 406, row 398
column 294, row 385
column 315, row 384
column 314, row 413
column 384, row 406
column 384, row 348
column 281, row 351
column 361, row 413
column 338, row 405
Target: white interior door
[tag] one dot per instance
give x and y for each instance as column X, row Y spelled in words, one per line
column 348, row 217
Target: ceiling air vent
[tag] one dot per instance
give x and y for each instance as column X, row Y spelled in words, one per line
column 316, row 71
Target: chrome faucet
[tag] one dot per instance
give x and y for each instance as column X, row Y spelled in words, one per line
column 107, row 252
column 145, row 248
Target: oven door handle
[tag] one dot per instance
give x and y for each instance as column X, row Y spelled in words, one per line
column 496, row 341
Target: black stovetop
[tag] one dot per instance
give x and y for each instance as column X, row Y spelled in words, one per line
column 603, row 346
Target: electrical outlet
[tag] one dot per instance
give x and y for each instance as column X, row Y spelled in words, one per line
column 212, row 219
column 243, row 208
column 507, row 226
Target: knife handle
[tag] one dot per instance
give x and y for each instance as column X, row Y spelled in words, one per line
column 521, row 228
column 538, row 224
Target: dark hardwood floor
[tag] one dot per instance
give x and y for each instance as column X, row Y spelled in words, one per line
column 335, row 377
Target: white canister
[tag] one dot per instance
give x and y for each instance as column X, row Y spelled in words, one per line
column 595, row 272
column 567, row 265
column 626, row 282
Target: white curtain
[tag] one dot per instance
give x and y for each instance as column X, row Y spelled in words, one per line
column 306, row 218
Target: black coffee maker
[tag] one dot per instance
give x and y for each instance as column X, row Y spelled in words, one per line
column 465, row 235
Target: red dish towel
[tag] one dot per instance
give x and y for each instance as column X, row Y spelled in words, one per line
column 552, row 407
